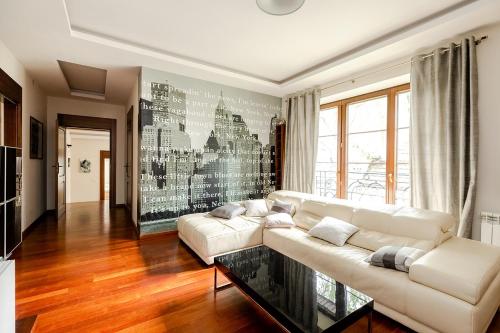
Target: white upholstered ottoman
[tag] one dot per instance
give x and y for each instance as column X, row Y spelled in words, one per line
column 210, row 236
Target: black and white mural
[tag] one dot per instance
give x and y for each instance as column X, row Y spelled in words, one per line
column 202, row 145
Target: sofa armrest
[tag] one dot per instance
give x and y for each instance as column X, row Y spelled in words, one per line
column 459, row 267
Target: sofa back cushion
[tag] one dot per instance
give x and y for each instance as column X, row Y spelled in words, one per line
column 390, row 225
column 374, row 240
column 295, row 198
column 380, row 225
column 340, row 209
column 312, row 211
column 306, row 220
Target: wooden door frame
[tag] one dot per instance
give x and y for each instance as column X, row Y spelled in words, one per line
column 56, row 172
column 97, row 123
column 103, row 155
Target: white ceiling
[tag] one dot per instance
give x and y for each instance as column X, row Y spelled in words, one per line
column 227, row 41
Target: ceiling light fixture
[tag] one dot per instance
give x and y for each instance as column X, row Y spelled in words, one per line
column 279, row 7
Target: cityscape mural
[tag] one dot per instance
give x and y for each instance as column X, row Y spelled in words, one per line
column 202, row 145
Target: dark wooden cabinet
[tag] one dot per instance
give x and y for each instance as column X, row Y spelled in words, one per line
column 12, row 227
column 10, row 204
column 10, row 165
column 279, row 155
column 10, row 173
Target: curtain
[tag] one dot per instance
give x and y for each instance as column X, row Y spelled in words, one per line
column 444, row 132
column 302, row 115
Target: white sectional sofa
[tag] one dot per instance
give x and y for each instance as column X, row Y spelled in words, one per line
column 454, row 287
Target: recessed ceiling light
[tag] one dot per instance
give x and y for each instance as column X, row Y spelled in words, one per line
column 279, row 7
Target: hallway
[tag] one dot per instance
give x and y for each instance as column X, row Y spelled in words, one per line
column 88, row 273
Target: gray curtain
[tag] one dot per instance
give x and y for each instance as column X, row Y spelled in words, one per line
column 302, row 115
column 444, row 132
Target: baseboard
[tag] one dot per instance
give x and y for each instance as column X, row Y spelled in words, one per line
column 157, row 227
column 32, row 226
column 157, row 234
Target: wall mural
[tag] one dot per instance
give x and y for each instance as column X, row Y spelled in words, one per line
column 202, row 145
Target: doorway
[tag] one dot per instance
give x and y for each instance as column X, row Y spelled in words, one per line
column 87, row 165
column 104, row 175
column 84, row 165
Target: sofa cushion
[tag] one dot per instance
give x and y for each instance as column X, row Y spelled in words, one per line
column 212, row 236
column 314, row 252
column 459, row 267
column 345, row 264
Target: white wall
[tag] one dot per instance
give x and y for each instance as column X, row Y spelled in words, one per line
column 34, row 104
column 61, row 105
column 488, row 183
column 134, row 102
column 8, row 296
column 84, row 187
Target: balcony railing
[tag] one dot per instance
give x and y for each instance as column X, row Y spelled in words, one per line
column 366, row 182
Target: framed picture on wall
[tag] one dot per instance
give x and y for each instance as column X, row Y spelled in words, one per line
column 36, row 139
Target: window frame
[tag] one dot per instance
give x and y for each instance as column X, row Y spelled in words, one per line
column 342, row 105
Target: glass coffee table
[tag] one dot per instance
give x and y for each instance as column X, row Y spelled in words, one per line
column 299, row 298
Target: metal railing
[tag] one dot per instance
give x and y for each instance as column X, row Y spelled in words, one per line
column 366, row 182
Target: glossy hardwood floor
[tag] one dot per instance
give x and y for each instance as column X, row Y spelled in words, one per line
column 88, row 273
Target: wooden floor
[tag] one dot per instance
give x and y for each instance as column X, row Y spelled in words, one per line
column 88, row 273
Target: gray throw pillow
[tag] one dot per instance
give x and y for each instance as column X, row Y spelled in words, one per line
column 281, row 207
column 228, row 211
column 395, row 257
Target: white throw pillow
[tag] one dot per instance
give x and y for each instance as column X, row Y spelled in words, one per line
column 333, row 230
column 256, row 208
column 279, row 220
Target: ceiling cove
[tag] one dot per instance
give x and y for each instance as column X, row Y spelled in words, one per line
column 389, row 38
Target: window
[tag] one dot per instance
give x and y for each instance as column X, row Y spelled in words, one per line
column 326, row 162
column 363, row 148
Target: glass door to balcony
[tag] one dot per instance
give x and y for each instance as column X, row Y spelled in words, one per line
column 367, row 150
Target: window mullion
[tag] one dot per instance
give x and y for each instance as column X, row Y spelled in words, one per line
column 341, row 166
column 391, row 143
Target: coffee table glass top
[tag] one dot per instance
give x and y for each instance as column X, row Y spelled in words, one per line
column 312, row 301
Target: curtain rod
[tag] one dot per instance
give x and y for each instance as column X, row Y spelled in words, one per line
column 396, row 65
